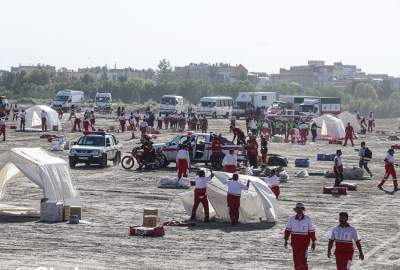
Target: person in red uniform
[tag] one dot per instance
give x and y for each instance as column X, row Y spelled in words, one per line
column 252, row 151
column 371, row 122
column 301, row 230
column 230, row 162
column 182, row 161
column 77, row 123
column 143, row 128
column 239, row 135
column 200, row 195
column 349, row 135
column 86, row 125
column 233, row 197
column 264, row 149
column 273, row 182
column 338, row 168
column 389, row 170
column 343, row 236
column 216, row 150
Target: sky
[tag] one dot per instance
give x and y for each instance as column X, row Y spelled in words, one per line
column 263, row 35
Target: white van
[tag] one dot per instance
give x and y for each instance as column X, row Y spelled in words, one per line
column 171, row 104
column 252, row 101
column 215, row 106
column 66, row 98
column 103, row 102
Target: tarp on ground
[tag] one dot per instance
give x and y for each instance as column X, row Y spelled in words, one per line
column 33, row 120
column 331, row 127
column 347, row 117
column 49, row 173
column 256, row 204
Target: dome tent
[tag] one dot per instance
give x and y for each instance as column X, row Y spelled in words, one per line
column 256, row 204
column 33, row 121
column 331, row 127
column 48, row 172
column 347, row 117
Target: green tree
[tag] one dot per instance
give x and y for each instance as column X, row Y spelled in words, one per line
column 164, row 72
column 38, row 77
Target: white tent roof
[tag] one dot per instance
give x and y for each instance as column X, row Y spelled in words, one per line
column 330, row 126
column 48, row 172
column 347, row 117
column 257, row 203
column 33, row 119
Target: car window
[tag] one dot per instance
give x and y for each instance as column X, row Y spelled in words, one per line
column 201, row 140
column 114, row 139
column 108, row 141
column 91, row 141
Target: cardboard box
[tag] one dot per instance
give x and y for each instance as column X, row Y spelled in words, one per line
column 150, row 221
column 150, row 212
column 72, row 210
column 67, row 213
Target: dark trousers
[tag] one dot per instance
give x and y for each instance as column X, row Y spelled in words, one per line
column 364, row 164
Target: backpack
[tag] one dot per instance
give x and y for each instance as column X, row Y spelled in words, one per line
column 368, row 154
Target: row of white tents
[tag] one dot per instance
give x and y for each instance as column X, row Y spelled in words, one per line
column 334, row 127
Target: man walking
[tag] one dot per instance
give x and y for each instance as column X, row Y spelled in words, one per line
column 371, row 122
column 389, row 170
column 301, row 230
column 233, row 198
column 365, row 155
column 343, row 235
column 349, row 135
column 200, row 195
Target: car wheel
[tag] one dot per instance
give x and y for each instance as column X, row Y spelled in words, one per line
column 117, row 158
column 72, row 163
column 164, row 161
column 103, row 162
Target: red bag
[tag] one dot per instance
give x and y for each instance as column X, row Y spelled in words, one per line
column 335, row 190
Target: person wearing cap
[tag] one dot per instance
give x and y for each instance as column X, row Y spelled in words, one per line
column 230, row 162
column 233, row 199
column 301, row 230
column 252, row 151
column 273, row 182
column 182, row 161
column 338, row 168
column 389, row 170
column 343, row 236
column 3, row 128
column 43, row 116
column 200, row 195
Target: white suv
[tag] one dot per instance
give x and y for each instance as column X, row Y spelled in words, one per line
column 95, row 148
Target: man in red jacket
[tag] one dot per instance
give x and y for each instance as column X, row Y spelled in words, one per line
column 301, row 230
column 349, row 135
column 252, row 151
column 239, row 134
column 216, row 150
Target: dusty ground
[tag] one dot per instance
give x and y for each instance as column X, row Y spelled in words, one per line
column 114, row 198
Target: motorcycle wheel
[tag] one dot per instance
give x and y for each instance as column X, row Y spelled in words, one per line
column 127, row 162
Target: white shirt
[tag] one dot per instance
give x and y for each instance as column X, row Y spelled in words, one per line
column 300, row 226
column 253, row 124
column 43, row 114
column 390, row 159
column 273, row 181
column 303, row 126
column 143, row 124
column 183, row 154
column 2, row 122
column 122, row 118
column 265, row 125
column 235, row 187
column 229, row 160
column 344, row 234
column 338, row 161
column 136, row 115
column 201, row 182
column 22, row 115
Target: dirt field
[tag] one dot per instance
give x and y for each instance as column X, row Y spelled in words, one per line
column 113, row 199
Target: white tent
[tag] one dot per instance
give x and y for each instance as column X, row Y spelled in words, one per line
column 330, row 127
column 48, row 172
column 33, row 119
column 347, row 117
column 256, row 204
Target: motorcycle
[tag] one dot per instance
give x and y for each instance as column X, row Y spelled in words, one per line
column 128, row 161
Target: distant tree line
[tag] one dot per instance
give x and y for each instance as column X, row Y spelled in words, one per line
column 383, row 99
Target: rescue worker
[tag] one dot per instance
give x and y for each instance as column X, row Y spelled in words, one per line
column 43, row 116
column 137, row 117
column 389, row 170
column 233, row 197
column 230, row 162
column 182, row 161
column 143, row 128
column 314, row 129
column 86, row 125
column 204, row 124
column 349, row 135
column 122, row 121
column 3, row 128
column 303, row 132
column 301, row 230
column 216, row 152
column 22, row 119
column 265, row 128
column 273, row 182
column 264, row 149
column 338, row 168
column 239, row 134
column 362, row 153
column 252, row 151
column 160, row 119
column 77, row 123
column 200, row 195
column 343, row 236
column 371, row 122
column 92, row 120
column 253, row 126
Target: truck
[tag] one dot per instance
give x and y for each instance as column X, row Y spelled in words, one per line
column 67, row 98
column 103, row 102
column 171, row 104
column 313, row 106
column 247, row 101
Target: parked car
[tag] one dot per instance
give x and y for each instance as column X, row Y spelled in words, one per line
column 95, row 148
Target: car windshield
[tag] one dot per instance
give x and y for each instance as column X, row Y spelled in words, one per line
column 242, row 104
column 61, row 98
column 208, row 104
column 102, row 99
column 169, row 101
column 92, row 141
column 179, row 140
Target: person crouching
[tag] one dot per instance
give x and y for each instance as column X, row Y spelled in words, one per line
column 273, row 183
column 234, row 191
column 200, row 195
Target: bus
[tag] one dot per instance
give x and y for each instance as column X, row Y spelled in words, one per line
column 215, row 106
column 171, row 104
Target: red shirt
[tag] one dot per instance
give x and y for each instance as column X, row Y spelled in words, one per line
column 252, row 147
column 216, row 147
column 349, row 130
